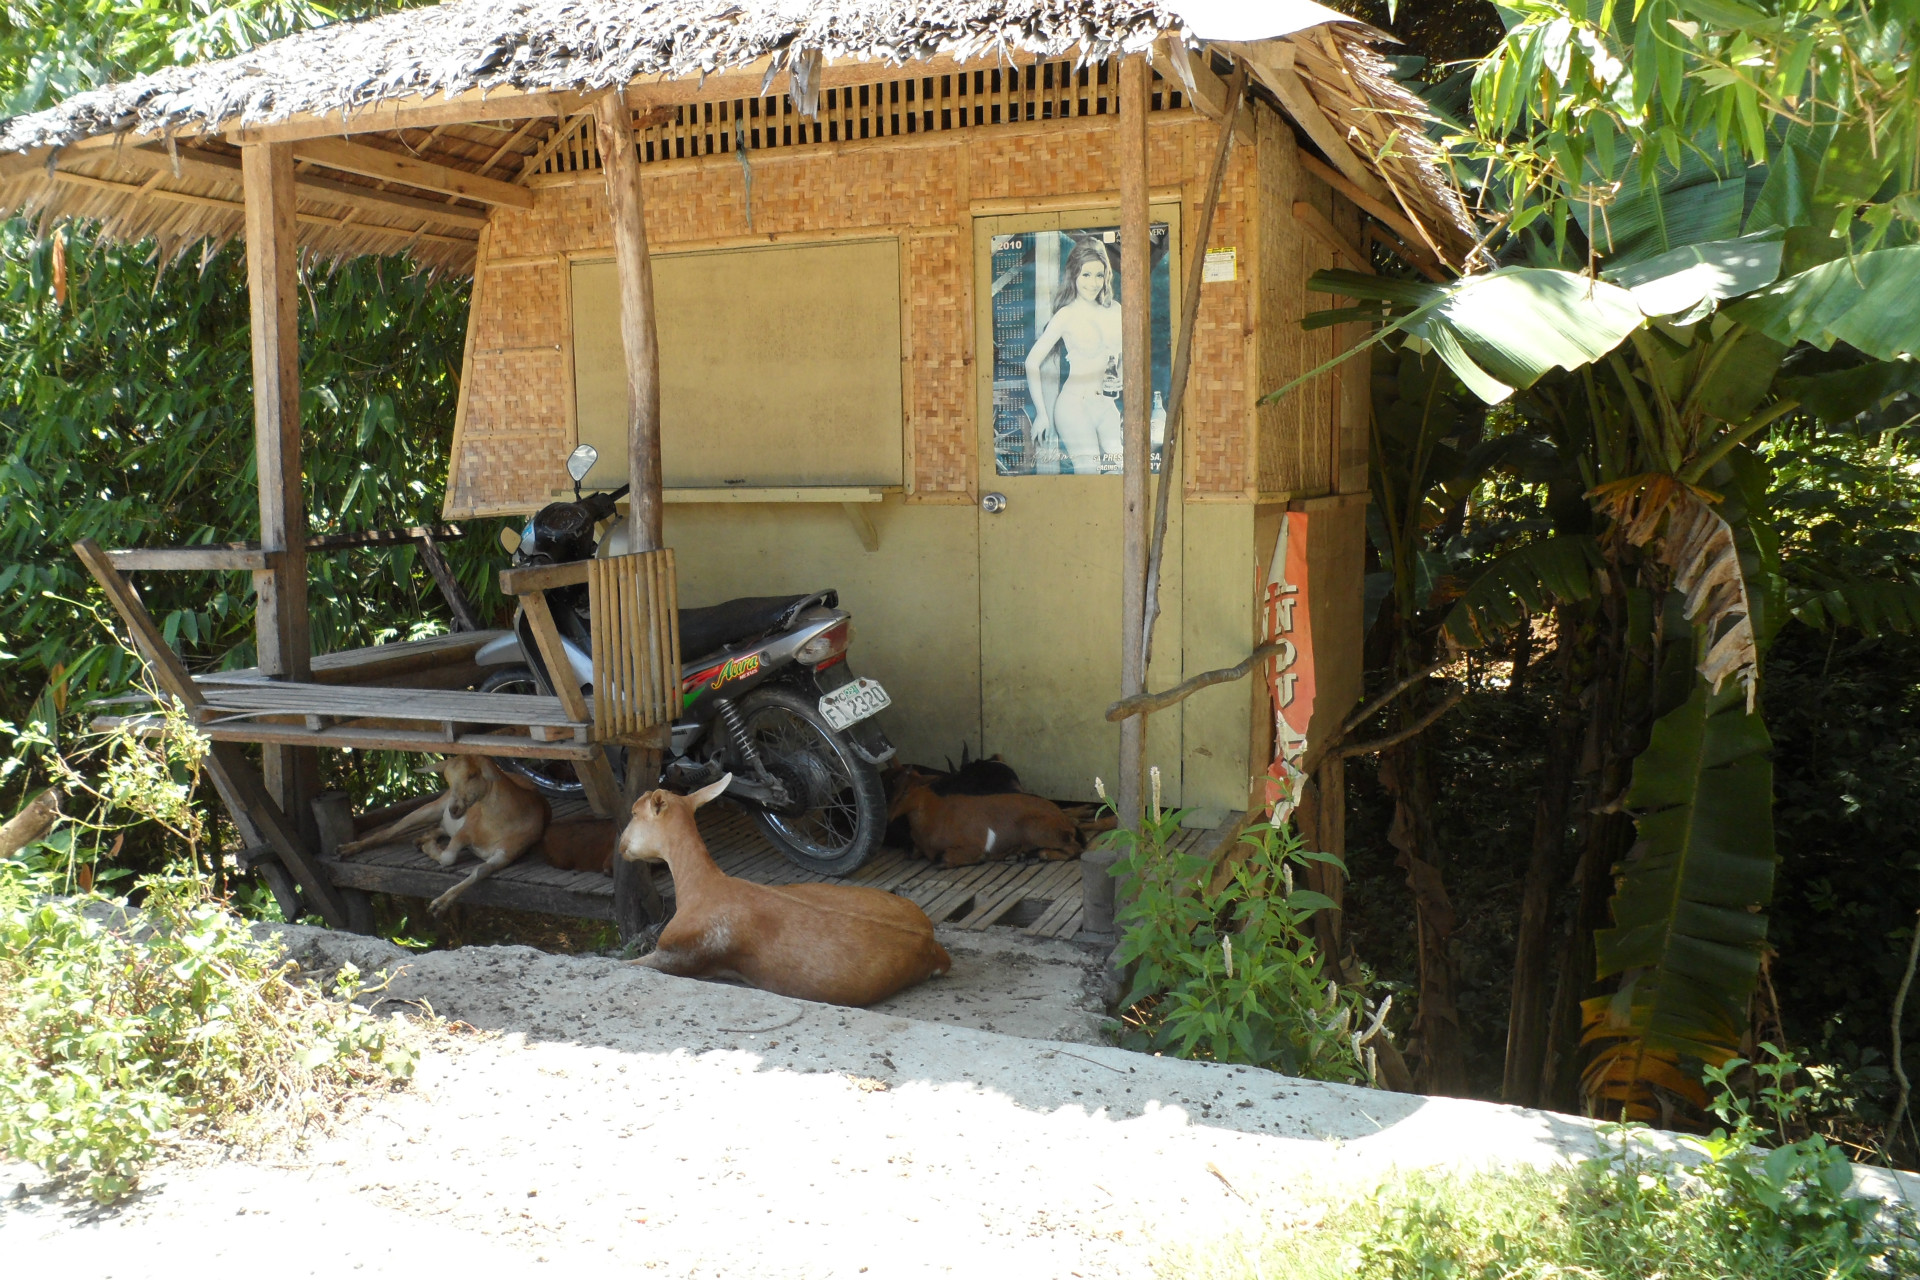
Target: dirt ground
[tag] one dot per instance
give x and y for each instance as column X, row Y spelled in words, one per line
column 590, row 1116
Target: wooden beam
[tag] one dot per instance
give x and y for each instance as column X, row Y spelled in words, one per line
column 542, row 577
column 218, row 168
column 635, row 900
column 371, row 162
column 1136, row 352
column 145, row 191
column 1208, row 92
column 1387, row 214
column 191, row 558
column 1276, row 71
column 597, row 776
column 577, row 900
column 1321, row 228
column 421, row 111
column 639, row 338
column 281, row 634
column 16, row 163
column 1189, row 311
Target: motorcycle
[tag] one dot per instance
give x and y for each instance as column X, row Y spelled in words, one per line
column 766, row 694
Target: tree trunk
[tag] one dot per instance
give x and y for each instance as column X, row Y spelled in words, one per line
column 1527, row 1008
column 1436, row 1026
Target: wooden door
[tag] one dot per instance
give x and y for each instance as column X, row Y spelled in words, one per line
column 1050, row 556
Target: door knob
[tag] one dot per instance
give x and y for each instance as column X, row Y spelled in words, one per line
column 993, row 503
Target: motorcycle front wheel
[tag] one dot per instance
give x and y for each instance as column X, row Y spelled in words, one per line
column 555, row 779
column 841, row 806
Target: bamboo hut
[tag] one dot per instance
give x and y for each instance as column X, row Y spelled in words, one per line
column 801, row 308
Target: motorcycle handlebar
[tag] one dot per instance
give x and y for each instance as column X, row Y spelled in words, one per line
column 602, row 504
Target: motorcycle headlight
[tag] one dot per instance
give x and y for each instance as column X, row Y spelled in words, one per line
column 829, row 644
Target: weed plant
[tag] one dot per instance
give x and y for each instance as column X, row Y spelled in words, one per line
column 1738, row 1209
column 1224, row 964
column 118, row 1029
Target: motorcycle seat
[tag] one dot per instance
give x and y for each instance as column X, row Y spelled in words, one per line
column 718, row 625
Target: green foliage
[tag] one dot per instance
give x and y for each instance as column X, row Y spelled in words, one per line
column 1865, row 301
column 1688, row 921
column 116, row 1028
column 126, row 406
column 1232, row 973
column 1527, row 580
column 1499, row 331
column 1633, row 1213
column 1581, row 100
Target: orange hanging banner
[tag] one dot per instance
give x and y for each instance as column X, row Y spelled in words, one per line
column 1290, row 683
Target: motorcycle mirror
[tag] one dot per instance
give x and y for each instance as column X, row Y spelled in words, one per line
column 581, row 461
column 509, row 538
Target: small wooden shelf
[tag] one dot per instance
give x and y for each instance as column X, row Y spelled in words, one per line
column 746, row 494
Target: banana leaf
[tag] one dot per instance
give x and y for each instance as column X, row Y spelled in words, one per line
column 1660, row 206
column 1870, row 301
column 1532, row 577
column 1688, row 919
column 1684, row 278
column 1499, row 331
column 1872, row 607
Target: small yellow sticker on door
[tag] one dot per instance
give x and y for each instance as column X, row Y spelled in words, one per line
column 1220, row 266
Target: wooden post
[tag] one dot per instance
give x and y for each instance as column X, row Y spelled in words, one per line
column 292, row 774
column 621, row 165
column 1136, row 320
column 635, row 899
column 1136, row 328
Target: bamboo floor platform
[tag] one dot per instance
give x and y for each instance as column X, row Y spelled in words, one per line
column 1038, row 899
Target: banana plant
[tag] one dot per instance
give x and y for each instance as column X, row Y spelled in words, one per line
column 1684, row 198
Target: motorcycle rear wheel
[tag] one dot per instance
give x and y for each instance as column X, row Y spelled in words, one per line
column 846, row 803
column 554, row 779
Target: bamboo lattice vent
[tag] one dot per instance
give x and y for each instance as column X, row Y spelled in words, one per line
column 634, row 602
column 884, row 109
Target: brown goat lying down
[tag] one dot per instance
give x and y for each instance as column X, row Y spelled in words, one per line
column 834, row 943
column 960, row 830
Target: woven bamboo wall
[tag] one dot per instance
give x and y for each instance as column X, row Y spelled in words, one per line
column 516, row 418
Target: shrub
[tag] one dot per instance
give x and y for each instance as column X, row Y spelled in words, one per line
column 1632, row 1213
column 117, row 1028
column 1231, row 972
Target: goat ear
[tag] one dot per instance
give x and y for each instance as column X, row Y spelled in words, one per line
column 433, row 766
column 711, row 791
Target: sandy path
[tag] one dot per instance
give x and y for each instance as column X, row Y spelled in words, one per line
column 612, row 1120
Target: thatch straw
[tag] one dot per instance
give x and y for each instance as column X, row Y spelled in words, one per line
column 508, row 48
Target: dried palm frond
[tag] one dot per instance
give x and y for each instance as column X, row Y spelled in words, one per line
column 1698, row 545
column 1624, row 1071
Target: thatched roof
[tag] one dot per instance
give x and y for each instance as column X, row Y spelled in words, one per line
column 155, row 156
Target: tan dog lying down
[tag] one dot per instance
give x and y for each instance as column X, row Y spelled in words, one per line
column 497, row 815
column 960, row 830
column 834, row 943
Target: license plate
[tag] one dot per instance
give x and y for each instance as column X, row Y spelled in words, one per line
column 851, row 703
